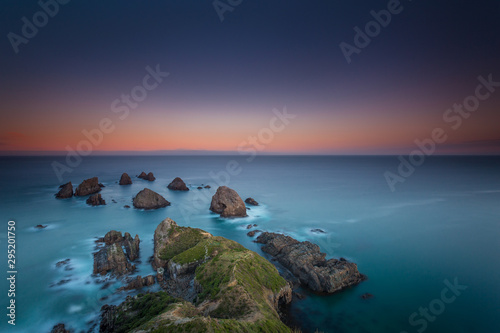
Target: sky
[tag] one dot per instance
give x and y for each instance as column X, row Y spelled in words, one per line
column 234, row 65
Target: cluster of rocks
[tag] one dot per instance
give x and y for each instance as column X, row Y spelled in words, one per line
column 225, row 201
column 150, row 177
column 87, row 187
column 117, row 254
column 305, row 261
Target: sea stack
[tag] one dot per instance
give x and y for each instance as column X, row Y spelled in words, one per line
column 125, row 179
column 228, row 203
column 117, row 254
column 177, row 185
column 96, row 200
column 147, row 199
column 150, row 177
column 88, row 186
column 66, row 191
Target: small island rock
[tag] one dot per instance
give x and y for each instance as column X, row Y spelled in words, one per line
column 96, row 200
column 88, row 186
column 251, row 201
column 147, row 199
column 66, row 191
column 228, row 203
column 177, row 185
column 125, row 179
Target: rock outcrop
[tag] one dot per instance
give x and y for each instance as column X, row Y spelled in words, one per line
column 66, row 191
column 150, row 177
column 140, row 282
column 96, row 200
column 88, row 186
column 125, row 179
column 219, row 285
column 308, row 264
column 251, row 201
column 178, row 185
column 112, row 258
column 228, row 203
column 147, row 199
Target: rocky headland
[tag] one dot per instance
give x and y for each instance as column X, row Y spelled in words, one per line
column 306, row 262
column 212, row 284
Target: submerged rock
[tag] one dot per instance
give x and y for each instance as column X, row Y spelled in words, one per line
column 40, row 226
column 251, row 201
column 366, row 296
column 207, row 186
column 96, row 200
column 228, row 203
column 88, row 186
column 147, row 199
column 309, row 265
column 253, row 232
column 66, row 191
column 125, row 179
column 117, row 254
column 177, row 185
column 318, row 231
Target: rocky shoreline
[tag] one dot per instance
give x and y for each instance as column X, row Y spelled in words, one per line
column 208, row 283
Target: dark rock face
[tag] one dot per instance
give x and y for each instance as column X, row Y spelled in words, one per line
column 309, row 265
column 149, row 176
column 112, row 259
column 125, row 179
column 147, row 199
column 60, row 328
column 140, row 282
column 178, row 185
column 228, row 203
column 96, row 200
column 88, row 186
column 251, row 201
column 107, row 318
column 66, row 191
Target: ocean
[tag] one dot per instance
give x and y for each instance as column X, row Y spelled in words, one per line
column 430, row 249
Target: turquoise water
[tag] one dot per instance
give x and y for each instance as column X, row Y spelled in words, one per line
column 442, row 223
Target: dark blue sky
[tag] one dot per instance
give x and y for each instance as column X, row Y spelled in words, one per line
column 264, row 54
